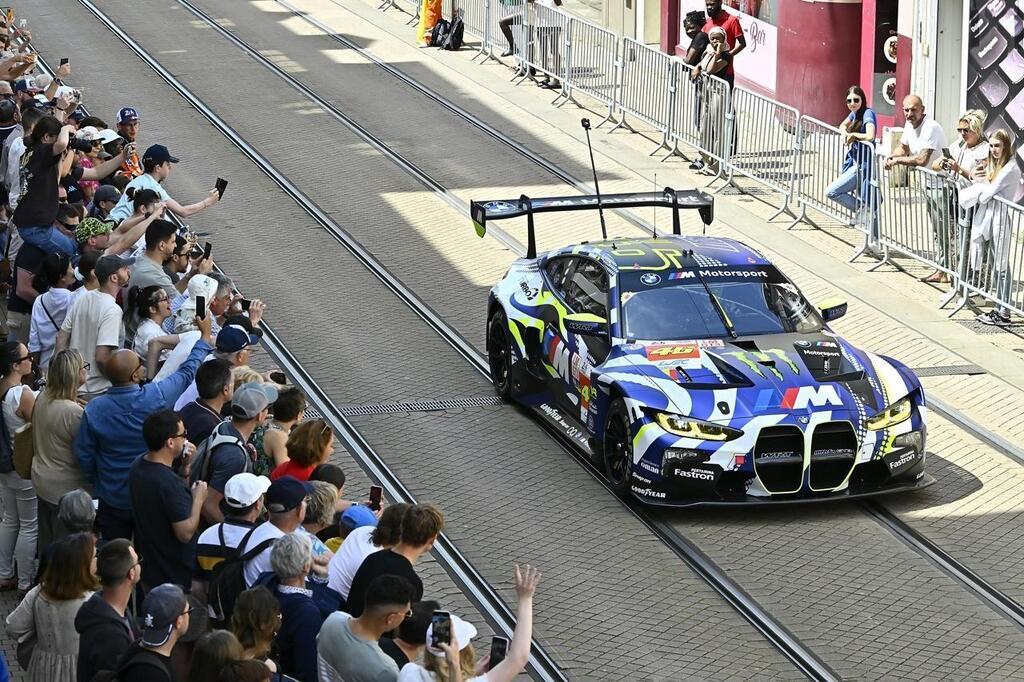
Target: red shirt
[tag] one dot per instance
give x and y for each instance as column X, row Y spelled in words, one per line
column 733, row 31
column 292, row 469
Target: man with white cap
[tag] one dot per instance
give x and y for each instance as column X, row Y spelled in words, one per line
column 227, row 452
column 347, row 647
column 242, row 506
column 165, row 619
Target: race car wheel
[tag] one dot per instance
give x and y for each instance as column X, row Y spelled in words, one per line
column 499, row 354
column 618, row 449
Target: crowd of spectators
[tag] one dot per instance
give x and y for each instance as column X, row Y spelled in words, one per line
column 168, row 513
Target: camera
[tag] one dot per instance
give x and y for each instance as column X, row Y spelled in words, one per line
column 80, row 145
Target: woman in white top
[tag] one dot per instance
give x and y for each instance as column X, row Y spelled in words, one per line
column 991, row 227
column 48, row 310
column 457, row 661
column 970, row 149
column 151, row 306
column 19, row 529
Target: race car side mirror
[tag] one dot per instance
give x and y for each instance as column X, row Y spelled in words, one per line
column 832, row 309
column 586, row 324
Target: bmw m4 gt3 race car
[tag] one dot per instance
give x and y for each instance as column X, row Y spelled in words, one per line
column 693, row 370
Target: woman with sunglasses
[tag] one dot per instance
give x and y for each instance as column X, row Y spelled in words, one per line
column 852, row 189
column 970, row 149
column 19, row 528
column 55, row 420
column 53, row 281
column 151, row 306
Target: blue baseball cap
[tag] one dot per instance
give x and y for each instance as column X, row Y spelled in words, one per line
column 127, row 115
column 358, row 516
column 158, row 154
column 234, row 337
column 160, row 611
column 286, row 493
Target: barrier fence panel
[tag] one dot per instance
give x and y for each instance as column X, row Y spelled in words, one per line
column 410, row 7
column 592, row 62
column 474, row 17
column 994, row 255
column 645, row 87
column 540, row 42
column 834, row 178
column 685, row 106
column 763, row 142
column 918, row 216
column 499, row 10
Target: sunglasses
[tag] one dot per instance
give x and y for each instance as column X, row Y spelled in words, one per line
column 19, row 360
column 853, row 100
column 87, row 366
column 963, row 131
column 68, row 226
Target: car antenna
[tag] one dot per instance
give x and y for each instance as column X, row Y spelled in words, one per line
column 654, row 209
column 715, row 303
column 585, row 122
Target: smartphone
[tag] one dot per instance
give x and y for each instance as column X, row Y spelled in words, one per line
column 201, row 307
column 279, row 378
column 221, row 185
column 376, row 495
column 64, row 60
column 499, row 647
column 206, row 251
column 440, row 628
column 946, row 154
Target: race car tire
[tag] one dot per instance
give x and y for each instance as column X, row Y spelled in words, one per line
column 618, row 450
column 499, row 354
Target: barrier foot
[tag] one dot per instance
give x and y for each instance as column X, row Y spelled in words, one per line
column 964, row 300
column 949, row 295
column 664, row 145
column 800, row 218
column 884, row 260
column 784, row 209
column 608, row 117
column 622, row 123
column 672, row 151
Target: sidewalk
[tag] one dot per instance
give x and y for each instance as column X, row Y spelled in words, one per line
column 890, row 311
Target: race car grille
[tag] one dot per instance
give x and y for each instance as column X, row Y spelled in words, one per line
column 779, row 458
column 833, row 454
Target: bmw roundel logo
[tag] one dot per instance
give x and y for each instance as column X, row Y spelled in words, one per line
column 802, row 343
column 804, row 420
column 650, row 278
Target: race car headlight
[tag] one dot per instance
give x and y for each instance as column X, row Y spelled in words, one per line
column 895, row 414
column 695, row 428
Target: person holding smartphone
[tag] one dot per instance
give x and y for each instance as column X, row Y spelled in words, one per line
column 458, row 652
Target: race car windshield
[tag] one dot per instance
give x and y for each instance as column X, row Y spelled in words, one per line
column 676, row 306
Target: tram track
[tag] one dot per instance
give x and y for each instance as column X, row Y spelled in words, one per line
column 687, row 551
column 788, row 644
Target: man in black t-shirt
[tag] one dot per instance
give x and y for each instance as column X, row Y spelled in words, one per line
column 165, row 511
column 421, row 525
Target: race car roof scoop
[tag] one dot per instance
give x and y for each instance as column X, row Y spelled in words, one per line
column 483, row 211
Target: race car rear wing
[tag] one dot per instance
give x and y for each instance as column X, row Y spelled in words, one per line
column 483, row 211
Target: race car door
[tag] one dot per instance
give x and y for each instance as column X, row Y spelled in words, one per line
column 582, row 285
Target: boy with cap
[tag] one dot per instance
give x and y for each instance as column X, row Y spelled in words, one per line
column 93, row 234
column 128, row 129
column 228, row 451
column 103, row 201
column 242, row 506
column 165, row 619
column 286, row 504
column 156, row 164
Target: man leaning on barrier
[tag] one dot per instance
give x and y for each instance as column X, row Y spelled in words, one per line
column 922, row 141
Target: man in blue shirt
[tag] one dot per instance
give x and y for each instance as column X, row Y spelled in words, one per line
column 110, row 436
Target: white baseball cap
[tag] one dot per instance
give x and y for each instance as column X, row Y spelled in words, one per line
column 462, row 633
column 243, row 490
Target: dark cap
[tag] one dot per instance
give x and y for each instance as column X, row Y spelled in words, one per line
column 160, row 610
column 158, row 154
column 127, row 115
column 26, row 84
column 108, row 265
column 286, row 493
column 106, row 193
column 233, row 338
column 7, row 110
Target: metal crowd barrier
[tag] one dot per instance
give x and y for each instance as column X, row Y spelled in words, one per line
column 646, row 84
column 762, row 145
column 592, row 63
column 909, row 212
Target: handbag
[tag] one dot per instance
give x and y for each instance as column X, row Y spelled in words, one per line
column 27, row 645
column 24, row 450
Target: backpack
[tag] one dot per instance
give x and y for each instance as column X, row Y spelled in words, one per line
column 227, row 580
column 439, row 32
column 6, row 442
column 453, row 39
column 202, row 461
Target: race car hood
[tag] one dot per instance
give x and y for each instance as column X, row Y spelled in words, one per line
column 722, row 380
